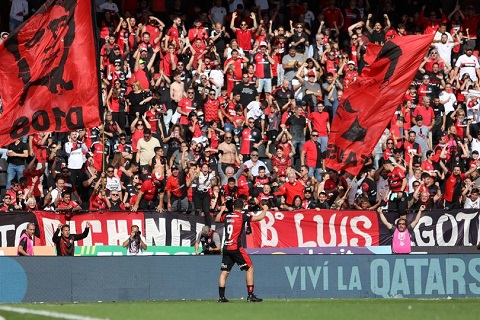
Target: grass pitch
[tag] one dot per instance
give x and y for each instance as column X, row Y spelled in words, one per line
column 355, row 309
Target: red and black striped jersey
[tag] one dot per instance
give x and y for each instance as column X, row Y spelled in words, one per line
column 234, row 224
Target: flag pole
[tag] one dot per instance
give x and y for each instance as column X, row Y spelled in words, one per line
column 103, row 147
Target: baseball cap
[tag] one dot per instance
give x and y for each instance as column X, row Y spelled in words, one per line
column 116, row 47
column 311, row 74
column 351, row 62
column 307, row 190
column 425, row 77
column 263, row 44
column 418, row 118
column 174, row 167
column 141, row 61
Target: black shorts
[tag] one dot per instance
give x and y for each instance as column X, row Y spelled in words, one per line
column 239, row 256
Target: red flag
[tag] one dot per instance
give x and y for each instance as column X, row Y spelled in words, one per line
column 372, row 52
column 49, row 72
column 368, row 105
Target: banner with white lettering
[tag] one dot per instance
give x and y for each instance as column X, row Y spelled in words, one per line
column 283, row 229
column 113, row 228
column 174, row 229
column 312, row 228
column 11, row 226
column 442, row 228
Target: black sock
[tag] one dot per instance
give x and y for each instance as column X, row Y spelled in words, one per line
column 250, row 289
column 221, row 292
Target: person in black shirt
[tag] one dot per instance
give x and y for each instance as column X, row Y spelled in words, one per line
column 298, row 125
column 309, row 202
column 65, row 242
column 377, row 34
column 247, row 90
column 284, row 97
column 322, row 202
column 440, row 119
column 114, row 203
column 17, row 153
column 369, row 186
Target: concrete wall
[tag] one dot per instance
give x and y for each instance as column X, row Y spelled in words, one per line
column 83, row 279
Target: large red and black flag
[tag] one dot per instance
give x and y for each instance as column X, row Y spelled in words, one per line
column 369, row 103
column 49, row 72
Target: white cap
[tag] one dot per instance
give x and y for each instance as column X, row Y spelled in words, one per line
column 263, row 43
column 351, row 62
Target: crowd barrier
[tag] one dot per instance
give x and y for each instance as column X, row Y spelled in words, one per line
column 285, row 229
column 92, row 279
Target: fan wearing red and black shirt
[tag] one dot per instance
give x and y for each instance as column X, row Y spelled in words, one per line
column 98, row 198
column 259, row 181
column 397, row 183
column 251, row 139
column 65, row 242
column 335, row 186
column 198, row 32
column 67, row 204
column 291, row 188
column 453, row 185
column 147, row 197
column 185, row 106
column 7, row 205
column 230, row 192
column 263, row 69
column 211, row 108
column 281, row 161
column 173, row 34
column 227, row 110
column 236, row 61
column 244, row 35
column 33, row 177
column 155, row 28
column 233, row 251
column 312, row 156
column 320, row 121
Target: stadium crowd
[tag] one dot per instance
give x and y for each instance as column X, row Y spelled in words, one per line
column 204, row 105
